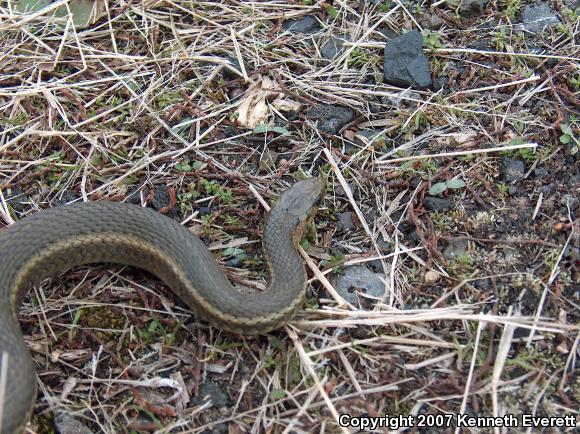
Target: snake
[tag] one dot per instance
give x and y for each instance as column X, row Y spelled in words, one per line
column 54, row 240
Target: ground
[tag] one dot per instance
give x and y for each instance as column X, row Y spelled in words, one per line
column 453, row 283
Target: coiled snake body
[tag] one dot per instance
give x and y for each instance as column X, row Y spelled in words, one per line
column 60, row 238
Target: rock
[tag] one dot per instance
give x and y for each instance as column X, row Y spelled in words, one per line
column 134, row 194
column 307, row 25
column 513, row 170
column 65, row 423
column 471, row 8
column 455, row 248
column 162, row 201
column 540, row 171
column 65, row 197
column 437, row 203
column 358, row 278
column 204, row 210
column 432, row 22
column 538, row 17
column 432, row 277
column 482, row 284
column 17, row 199
column 331, row 48
column 268, row 160
column 545, row 189
column 331, row 118
column 405, row 63
column 345, row 221
column 210, row 391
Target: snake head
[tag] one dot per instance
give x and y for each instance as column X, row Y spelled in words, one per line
column 301, row 201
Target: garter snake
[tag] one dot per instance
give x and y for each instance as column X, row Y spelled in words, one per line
column 56, row 239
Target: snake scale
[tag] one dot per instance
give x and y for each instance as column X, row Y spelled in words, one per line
column 54, row 240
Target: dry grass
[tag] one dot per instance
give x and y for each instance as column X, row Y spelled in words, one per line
column 147, row 98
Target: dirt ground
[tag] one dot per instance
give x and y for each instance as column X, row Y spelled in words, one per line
column 443, row 270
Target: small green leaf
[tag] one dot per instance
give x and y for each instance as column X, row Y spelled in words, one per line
column 264, row 129
column 261, row 129
column 332, row 12
column 277, row 394
column 438, row 188
column 183, row 167
column 566, row 129
column 197, row 165
column 281, row 130
column 565, row 138
column 233, row 251
column 455, row 183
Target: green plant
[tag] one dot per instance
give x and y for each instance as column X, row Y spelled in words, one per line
column 575, row 82
column 567, row 134
column 499, row 38
column 431, row 40
column 213, row 188
column 332, row 12
column 357, row 58
column 441, row 187
column 512, row 8
column 461, row 264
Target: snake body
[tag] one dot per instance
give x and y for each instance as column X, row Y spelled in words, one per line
column 57, row 239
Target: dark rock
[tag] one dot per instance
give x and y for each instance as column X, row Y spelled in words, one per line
column 432, row 22
column 210, row 391
column 17, row 199
column 65, row 423
column 307, row 25
column 539, row 171
column 134, row 195
column 482, row 284
column 471, row 8
column 455, row 248
column 345, row 221
column 204, row 210
column 235, row 63
column 413, row 236
column 357, row 280
column 414, row 182
column 331, row 118
column 162, row 201
column 331, row 48
column 512, row 189
column 383, row 245
column 513, row 170
column 65, row 197
column 439, row 83
column 405, row 63
column 538, row 17
column 545, row 189
column 234, row 262
column 437, row 203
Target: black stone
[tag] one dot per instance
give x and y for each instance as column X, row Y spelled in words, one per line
column 405, row 63
column 437, row 203
column 17, row 199
column 306, row 25
column 331, row 118
column 512, row 169
column 65, row 197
